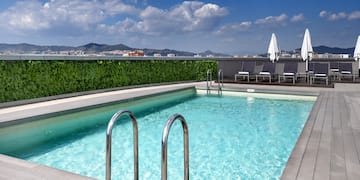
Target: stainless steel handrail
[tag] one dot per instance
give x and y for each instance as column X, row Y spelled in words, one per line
column 221, row 77
column 164, row 146
column 220, row 81
column 108, row 143
column 208, row 78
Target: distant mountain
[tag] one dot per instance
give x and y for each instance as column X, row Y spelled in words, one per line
column 30, row 48
column 330, row 50
column 165, row 52
column 96, row 48
column 333, row 50
column 321, row 50
column 93, row 48
column 210, row 53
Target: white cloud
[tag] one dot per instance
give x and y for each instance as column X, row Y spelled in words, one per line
column 25, row 18
column 273, row 20
column 234, row 28
column 354, row 15
column 152, row 12
column 209, row 10
column 122, row 27
column 337, row 16
column 323, row 14
column 297, row 18
column 34, row 15
column 64, row 17
column 341, row 15
column 114, row 7
column 143, row 2
column 189, row 16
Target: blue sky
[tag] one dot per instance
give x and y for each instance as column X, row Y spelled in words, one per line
column 237, row 27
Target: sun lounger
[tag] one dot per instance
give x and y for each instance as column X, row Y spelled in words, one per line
column 308, row 74
column 311, row 68
column 247, row 69
column 334, row 66
column 321, row 71
column 334, row 69
column 345, row 70
column 290, row 71
column 267, row 72
column 301, row 72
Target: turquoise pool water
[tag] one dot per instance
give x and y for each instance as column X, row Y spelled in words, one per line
column 231, row 137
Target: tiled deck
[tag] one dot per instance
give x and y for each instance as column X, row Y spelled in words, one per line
column 328, row 148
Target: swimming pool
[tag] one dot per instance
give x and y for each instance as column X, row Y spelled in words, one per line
column 247, row 137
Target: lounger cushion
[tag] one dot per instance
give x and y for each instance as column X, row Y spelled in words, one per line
column 264, row 73
column 289, row 74
column 334, row 70
column 320, row 75
column 345, row 72
column 243, row 73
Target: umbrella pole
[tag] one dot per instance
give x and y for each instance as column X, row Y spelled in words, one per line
column 307, row 65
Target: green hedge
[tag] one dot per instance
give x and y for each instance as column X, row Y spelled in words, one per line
column 32, row 79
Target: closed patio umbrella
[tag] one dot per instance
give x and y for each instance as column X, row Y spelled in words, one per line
column 306, row 49
column 273, row 50
column 357, row 49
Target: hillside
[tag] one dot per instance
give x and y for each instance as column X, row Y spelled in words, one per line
column 28, row 48
column 333, row 50
column 91, row 48
column 96, row 48
column 330, row 50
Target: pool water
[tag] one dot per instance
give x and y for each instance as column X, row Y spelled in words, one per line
column 230, row 137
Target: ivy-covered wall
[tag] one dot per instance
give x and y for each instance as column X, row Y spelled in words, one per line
column 32, row 79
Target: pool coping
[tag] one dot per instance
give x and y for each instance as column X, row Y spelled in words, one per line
column 75, row 94
column 28, row 112
column 41, row 171
column 14, row 168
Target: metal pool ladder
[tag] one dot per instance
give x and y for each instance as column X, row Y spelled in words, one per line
column 108, row 143
column 220, row 81
column 164, row 141
column 208, row 79
column 164, row 146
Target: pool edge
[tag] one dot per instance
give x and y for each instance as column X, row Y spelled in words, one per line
column 11, row 166
column 80, row 177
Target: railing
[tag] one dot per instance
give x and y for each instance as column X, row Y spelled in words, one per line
column 220, row 81
column 208, row 79
column 164, row 146
column 108, row 143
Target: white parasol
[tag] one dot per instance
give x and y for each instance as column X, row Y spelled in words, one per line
column 306, row 49
column 273, row 51
column 357, row 49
